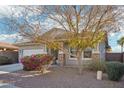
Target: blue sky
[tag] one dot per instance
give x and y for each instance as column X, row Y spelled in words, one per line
column 12, row 37
column 113, row 41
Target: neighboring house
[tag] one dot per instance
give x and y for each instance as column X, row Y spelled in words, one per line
column 10, row 51
column 29, row 48
column 7, row 47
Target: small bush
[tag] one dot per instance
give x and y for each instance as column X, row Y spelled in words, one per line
column 35, row 62
column 4, row 60
column 95, row 66
column 115, row 70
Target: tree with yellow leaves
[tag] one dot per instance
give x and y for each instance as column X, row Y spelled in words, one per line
column 85, row 26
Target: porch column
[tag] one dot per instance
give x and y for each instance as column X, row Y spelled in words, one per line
column 62, row 58
column 102, row 51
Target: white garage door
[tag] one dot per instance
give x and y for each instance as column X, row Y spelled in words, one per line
column 30, row 52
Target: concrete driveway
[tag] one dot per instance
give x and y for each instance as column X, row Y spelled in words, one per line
column 8, row 69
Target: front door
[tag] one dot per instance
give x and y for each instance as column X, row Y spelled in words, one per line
column 54, row 53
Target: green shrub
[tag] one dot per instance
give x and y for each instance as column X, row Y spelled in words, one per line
column 115, row 70
column 95, row 66
column 4, row 60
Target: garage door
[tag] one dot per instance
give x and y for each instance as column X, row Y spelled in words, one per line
column 30, row 52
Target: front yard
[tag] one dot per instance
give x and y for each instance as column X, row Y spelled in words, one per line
column 59, row 77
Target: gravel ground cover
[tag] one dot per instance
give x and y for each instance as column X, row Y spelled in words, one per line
column 59, row 77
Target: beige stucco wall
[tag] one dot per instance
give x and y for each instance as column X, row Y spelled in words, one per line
column 96, row 57
column 63, row 61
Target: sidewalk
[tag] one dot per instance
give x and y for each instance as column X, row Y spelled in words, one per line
column 10, row 68
column 7, row 85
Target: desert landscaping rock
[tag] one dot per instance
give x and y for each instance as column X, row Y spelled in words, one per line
column 59, row 77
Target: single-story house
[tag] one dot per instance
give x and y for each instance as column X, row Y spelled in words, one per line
column 90, row 54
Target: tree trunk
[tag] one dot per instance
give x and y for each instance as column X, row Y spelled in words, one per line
column 64, row 59
column 79, row 59
column 122, row 49
column 122, row 53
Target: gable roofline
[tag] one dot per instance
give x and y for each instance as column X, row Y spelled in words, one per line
column 29, row 43
column 58, row 34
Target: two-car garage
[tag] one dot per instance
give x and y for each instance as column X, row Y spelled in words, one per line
column 28, row 52
column 28, row 49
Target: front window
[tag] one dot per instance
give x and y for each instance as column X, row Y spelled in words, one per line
column 73, row 53
column 87, row 54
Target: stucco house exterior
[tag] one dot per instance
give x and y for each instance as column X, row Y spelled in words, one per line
column 89, row 55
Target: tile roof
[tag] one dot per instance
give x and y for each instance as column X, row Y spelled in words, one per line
column 7, row 45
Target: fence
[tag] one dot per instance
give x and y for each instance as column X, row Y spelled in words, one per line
column 115, row 57
column 13, row 55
